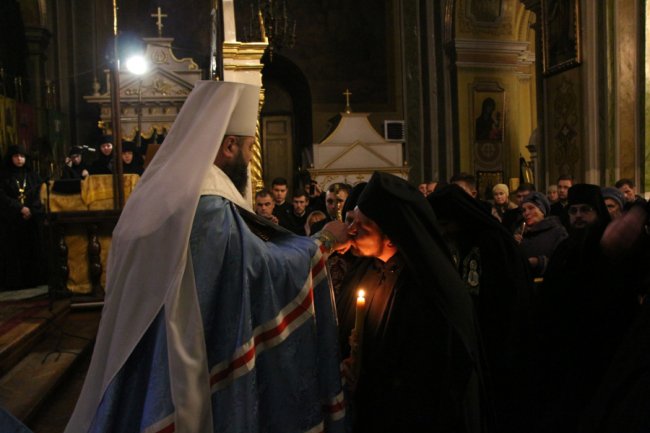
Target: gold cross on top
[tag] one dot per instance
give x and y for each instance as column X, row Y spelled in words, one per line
column 347, row 94
column 159, row 15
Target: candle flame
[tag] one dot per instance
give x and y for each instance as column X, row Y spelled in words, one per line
column 361, row 294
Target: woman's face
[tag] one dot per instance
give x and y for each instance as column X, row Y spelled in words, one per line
column 532, row 214
column 500, row 197
column 18, row 160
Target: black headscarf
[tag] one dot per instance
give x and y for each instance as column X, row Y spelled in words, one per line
column 16, row 150
column 404, row 215
column 351, row 201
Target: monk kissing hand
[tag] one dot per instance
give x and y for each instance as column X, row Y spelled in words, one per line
column 340, row 232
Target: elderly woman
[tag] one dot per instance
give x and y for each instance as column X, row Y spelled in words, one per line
column 614, row 200
column 502, row 202
column 541, row 233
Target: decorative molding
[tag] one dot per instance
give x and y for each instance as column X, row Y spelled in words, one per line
column 159, row 93
column 493, row 54
column 500, row 25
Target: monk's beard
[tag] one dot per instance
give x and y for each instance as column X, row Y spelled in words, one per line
column 237, row 171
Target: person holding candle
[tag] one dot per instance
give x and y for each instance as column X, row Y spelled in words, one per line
column 420, row 366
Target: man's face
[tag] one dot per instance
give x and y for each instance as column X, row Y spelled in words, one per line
column 246, row 148
column 613, row 208
column 368, row 240
column 521, row 195
column 431, row 186
column 279, row 193
column 563, row 189
column 236, row 167
column 106, row 149
column 299, row 205
column 335, row 202
column 127, row 157
column 264, row 206
column 582, row 215
column 552, row 195
column 628, row 193
column 423, row 189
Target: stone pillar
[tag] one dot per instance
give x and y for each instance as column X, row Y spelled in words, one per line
column 38, row 40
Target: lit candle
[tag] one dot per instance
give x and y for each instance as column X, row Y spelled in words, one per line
column 356, row 342
column 360, row 314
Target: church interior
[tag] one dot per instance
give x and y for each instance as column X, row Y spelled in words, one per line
column 508, row 90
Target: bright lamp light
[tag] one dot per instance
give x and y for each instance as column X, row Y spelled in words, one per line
column 137, row 65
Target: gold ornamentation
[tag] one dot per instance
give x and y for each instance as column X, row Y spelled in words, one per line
column 159, row 57
column 256, row 160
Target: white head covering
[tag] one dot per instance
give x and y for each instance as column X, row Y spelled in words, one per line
column 149, row 264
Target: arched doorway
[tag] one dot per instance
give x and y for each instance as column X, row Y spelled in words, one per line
column 286, row 120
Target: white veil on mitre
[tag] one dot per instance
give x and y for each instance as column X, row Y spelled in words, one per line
column 148, row 259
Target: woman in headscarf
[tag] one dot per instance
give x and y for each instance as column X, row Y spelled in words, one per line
column 541, row 233
column 21, row 212
column 502, row 202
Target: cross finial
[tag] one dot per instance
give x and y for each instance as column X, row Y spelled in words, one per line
column 347, row 94
column 159, row 15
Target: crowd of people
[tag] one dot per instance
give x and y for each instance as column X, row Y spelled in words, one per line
column 23, row 261
column 525, row 314
column 551, row 304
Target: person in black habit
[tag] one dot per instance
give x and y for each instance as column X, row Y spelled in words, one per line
column 22, row 263
column 497, row 276
column 420, row 363
column 104, row 162
column 75, row 167
column 583, row 311
column 622, row 400
column 131, row 160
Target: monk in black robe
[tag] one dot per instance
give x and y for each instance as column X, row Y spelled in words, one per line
column 420, row 364
column 583, row 311
column 496, row 275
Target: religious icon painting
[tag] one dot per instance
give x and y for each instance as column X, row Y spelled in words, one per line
column 485, row 181
column 560, row 35
column 488, row 103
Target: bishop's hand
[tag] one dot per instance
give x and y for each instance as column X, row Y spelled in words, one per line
column 340, row 232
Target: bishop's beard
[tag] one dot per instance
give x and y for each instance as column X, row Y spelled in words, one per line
column 237, row 171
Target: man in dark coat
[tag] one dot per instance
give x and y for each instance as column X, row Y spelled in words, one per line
column 559, row 208
column 420, row 363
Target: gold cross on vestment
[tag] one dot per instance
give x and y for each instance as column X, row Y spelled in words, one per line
column 347, row 94
column 159, row 15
